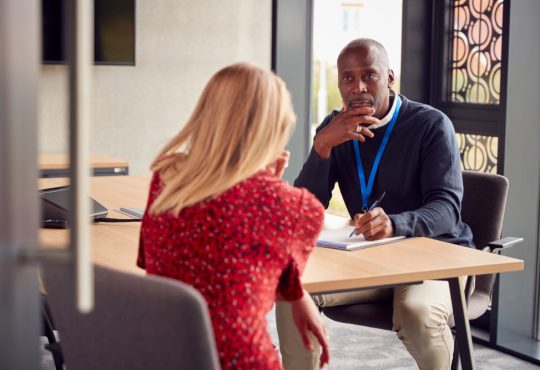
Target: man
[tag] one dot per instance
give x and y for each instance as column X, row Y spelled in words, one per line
column 382, row 142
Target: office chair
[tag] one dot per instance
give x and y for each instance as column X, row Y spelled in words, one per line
column 48, row 330
column 483, row 205
column 138, row 322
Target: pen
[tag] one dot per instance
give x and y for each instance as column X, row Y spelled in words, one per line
column 373, row 205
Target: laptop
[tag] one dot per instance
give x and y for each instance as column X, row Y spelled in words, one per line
column 55, row 207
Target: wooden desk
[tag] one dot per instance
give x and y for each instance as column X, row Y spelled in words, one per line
column 113, row 245
column 57, row 165
column 328, row 270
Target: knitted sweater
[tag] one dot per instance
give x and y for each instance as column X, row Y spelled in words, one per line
column 419, row 170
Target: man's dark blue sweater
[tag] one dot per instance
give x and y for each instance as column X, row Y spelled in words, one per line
column 419, row 170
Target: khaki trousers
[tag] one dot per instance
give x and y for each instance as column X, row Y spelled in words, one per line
column 420, row 319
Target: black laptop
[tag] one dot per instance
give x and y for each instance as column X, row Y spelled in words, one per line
column 55, row 207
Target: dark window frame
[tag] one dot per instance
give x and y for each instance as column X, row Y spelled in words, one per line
column 476, row 119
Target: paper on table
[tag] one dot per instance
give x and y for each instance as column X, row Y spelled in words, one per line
column 339, row 239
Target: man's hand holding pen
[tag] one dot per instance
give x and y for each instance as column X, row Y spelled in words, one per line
column 373, row 224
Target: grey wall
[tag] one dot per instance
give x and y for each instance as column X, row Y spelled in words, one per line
column 522, row 167
column 293, row 64
column 179, row 45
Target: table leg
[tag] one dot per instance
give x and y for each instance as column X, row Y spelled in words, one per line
column 463, row 330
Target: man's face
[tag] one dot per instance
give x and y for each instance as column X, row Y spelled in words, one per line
column 364, row 80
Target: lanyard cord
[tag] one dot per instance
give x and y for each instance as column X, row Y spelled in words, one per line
column 366, row 190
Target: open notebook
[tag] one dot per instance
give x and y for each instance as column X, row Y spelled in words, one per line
column 339, row 239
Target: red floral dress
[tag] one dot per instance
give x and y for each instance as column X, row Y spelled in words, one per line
column 238, row 250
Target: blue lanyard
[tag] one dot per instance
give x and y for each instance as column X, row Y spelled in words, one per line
column 367, row 189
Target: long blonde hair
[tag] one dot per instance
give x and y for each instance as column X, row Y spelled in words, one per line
column 240, row 124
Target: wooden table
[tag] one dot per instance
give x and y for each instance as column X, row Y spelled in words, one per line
column 57, row 165
column 328, row 270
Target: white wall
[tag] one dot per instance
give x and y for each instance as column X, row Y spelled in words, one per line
column 179, row 45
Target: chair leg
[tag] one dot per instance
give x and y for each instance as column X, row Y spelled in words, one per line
column 455, row 357
column 48, row 331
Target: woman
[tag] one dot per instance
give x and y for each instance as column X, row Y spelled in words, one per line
column 219, row 217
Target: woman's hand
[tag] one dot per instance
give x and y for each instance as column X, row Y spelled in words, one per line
column 277, row 168
column 307, row 318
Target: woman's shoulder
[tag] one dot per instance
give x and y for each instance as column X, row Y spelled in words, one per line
column 274, row 192
column 265, row 182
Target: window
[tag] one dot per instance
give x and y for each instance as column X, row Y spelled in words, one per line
column 471, row 76
column 476, row 41
column 336, row 23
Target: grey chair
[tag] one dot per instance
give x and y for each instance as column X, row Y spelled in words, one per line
column 139, row 322
column 483, row 205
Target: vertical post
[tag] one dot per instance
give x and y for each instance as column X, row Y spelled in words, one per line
column 19, row 297
column 80, row 56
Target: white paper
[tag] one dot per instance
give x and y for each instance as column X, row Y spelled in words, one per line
column 339, row 239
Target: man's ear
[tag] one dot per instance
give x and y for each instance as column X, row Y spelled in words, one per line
column 390, row 78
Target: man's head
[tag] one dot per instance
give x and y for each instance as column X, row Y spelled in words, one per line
column 364, row 77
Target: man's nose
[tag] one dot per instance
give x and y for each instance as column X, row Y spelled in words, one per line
column 362, row 87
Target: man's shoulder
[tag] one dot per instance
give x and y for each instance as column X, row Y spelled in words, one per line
column 423, row 113
column 415, row 107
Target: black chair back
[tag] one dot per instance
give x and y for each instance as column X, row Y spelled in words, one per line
column 482, row 208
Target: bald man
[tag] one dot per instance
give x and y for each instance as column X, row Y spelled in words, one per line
column 383, row 142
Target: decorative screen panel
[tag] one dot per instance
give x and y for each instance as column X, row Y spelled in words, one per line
column 476, row 42
column 478, row 153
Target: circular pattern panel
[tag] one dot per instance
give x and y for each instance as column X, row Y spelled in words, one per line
column 475, row 71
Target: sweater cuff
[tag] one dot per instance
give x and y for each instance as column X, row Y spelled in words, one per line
column 314, row 168
column 401, row 225
column 314, row 159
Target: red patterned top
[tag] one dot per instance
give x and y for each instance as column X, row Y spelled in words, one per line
column 237, row 249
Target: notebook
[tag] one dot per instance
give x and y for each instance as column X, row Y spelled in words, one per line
column 339, row 239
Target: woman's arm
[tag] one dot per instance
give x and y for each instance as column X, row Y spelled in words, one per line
column 307, row 319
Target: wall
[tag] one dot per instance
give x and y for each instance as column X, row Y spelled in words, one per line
column 293, row 64
column 179, row 45
column 522, row 167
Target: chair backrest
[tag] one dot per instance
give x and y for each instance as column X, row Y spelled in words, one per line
column 482, row 208
column 139, row 322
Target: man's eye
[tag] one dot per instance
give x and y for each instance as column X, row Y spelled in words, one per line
column 347, row 78
column 370, row 77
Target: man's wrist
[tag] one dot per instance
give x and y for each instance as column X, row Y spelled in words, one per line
column 393, row 226
column 323, row 151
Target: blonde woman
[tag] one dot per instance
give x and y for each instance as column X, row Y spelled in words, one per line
column 220, row 218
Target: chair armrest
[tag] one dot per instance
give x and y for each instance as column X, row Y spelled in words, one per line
column 498, row 245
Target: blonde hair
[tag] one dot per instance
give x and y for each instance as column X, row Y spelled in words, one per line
column 240, row 124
